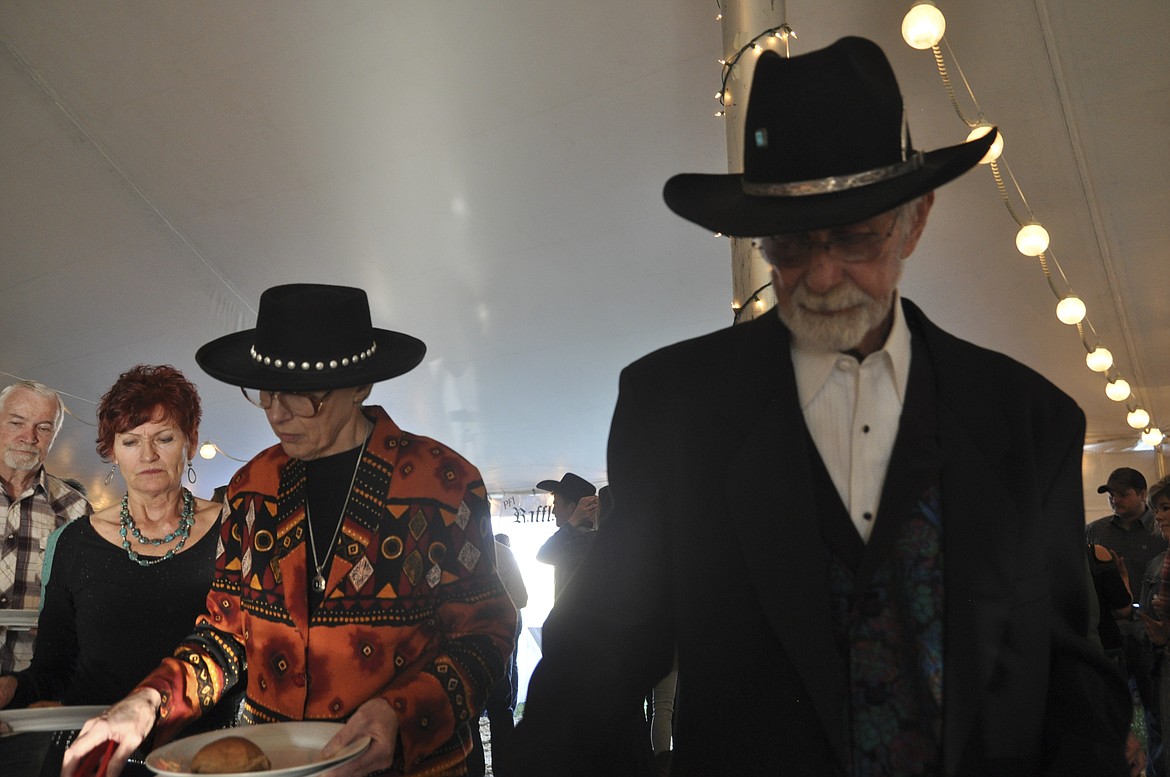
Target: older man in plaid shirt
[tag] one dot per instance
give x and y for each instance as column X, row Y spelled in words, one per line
column 33, row 504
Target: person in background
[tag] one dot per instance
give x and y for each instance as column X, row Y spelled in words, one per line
column 576, row 510
column 355, row 578
column 1154, row 616
column 33, row 504
column 500, row 707
column 862, row 535
column 1131, row 532
column 128, row 581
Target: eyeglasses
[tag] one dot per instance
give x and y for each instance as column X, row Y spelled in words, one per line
column 300, row 403
column 853, row 245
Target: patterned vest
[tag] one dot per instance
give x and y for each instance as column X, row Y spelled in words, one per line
column 888, row 598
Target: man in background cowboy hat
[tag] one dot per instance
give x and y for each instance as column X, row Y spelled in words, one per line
column 862, row 535
column 576, row 510
column 356, row 575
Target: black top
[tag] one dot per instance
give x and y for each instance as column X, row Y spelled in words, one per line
column 107, row 621
column 329, row 480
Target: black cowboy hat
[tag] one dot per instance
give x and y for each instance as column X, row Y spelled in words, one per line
column 309, row 337
column 572, row 487
column 825, row 144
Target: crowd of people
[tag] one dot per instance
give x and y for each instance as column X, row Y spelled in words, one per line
column 837, row 540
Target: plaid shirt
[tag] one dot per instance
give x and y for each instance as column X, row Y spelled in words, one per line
column 25, row 525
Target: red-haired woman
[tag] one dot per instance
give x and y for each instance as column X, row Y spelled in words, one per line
column 128, row 582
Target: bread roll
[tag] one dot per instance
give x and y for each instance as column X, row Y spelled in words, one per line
column 229, row 755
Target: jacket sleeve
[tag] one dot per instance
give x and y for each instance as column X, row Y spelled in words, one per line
column 209, row 661
column 477, row 623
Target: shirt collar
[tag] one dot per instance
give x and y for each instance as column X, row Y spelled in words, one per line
column 813, row 367
column 1146, row 520
column 38, row 484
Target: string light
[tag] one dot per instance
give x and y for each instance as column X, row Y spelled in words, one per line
column 781, row 32
column 1070, row 310
column 209, row 449
column 1099, row 359
column 1032, row 239
column 753, row 298
column 1153, row 436
column 996, row 149
column 1138, row 419
column 1117, row 390
column 923, row 28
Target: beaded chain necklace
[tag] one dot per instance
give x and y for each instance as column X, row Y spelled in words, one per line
column 186, row 521
column 319, row 578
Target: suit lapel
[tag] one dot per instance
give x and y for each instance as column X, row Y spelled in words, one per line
column 774, row 511
column 978, row 515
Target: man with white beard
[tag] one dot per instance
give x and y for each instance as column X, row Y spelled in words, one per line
column 861, row 536
column 33, row 504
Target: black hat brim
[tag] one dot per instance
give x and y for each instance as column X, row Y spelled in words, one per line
column 228, row 359
column 719, row 203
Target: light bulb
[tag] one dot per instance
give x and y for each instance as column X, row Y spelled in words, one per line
column 207, row 450
column 981, row 129
column 923, row 26
column 1117, row 390
column 1070, row 310
column 1138, row 419
column 1032, row 239
column 1099, row 359
column 1153, row 436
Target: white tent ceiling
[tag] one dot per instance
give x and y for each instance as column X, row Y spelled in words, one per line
column 491, row 174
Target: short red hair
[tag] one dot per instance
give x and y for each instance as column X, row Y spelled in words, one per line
column 138, row 395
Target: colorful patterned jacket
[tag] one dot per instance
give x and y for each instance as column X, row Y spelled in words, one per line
column 414, row 611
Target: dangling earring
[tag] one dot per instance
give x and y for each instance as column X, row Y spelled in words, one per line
column 190, row 473
column 110, row 475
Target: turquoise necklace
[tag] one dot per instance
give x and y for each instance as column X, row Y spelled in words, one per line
column 186, row 521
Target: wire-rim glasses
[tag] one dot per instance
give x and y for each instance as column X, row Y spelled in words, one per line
column 853, row 245
column 304, row 404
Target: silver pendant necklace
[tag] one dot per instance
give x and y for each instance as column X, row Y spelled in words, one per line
column 319, row 578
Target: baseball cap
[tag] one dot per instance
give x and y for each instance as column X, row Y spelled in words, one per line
column 1123, row 479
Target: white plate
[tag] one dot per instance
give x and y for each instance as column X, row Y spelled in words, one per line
column 50, row 718
column 294, row 749
column 19, row 620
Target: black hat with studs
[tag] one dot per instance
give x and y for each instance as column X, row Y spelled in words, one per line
column 311, row 337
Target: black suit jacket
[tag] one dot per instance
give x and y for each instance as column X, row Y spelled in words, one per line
column 714, row 548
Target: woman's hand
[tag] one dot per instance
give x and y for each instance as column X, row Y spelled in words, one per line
column 127, row 723
column 375, row 719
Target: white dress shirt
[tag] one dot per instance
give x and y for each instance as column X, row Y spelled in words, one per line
column 852, row 411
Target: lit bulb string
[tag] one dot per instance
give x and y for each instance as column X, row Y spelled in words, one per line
column 1047, row 259
column 219, row 450
column 755, row 297
column 781, row 31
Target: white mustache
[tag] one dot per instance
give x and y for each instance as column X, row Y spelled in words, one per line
column 837, row 299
